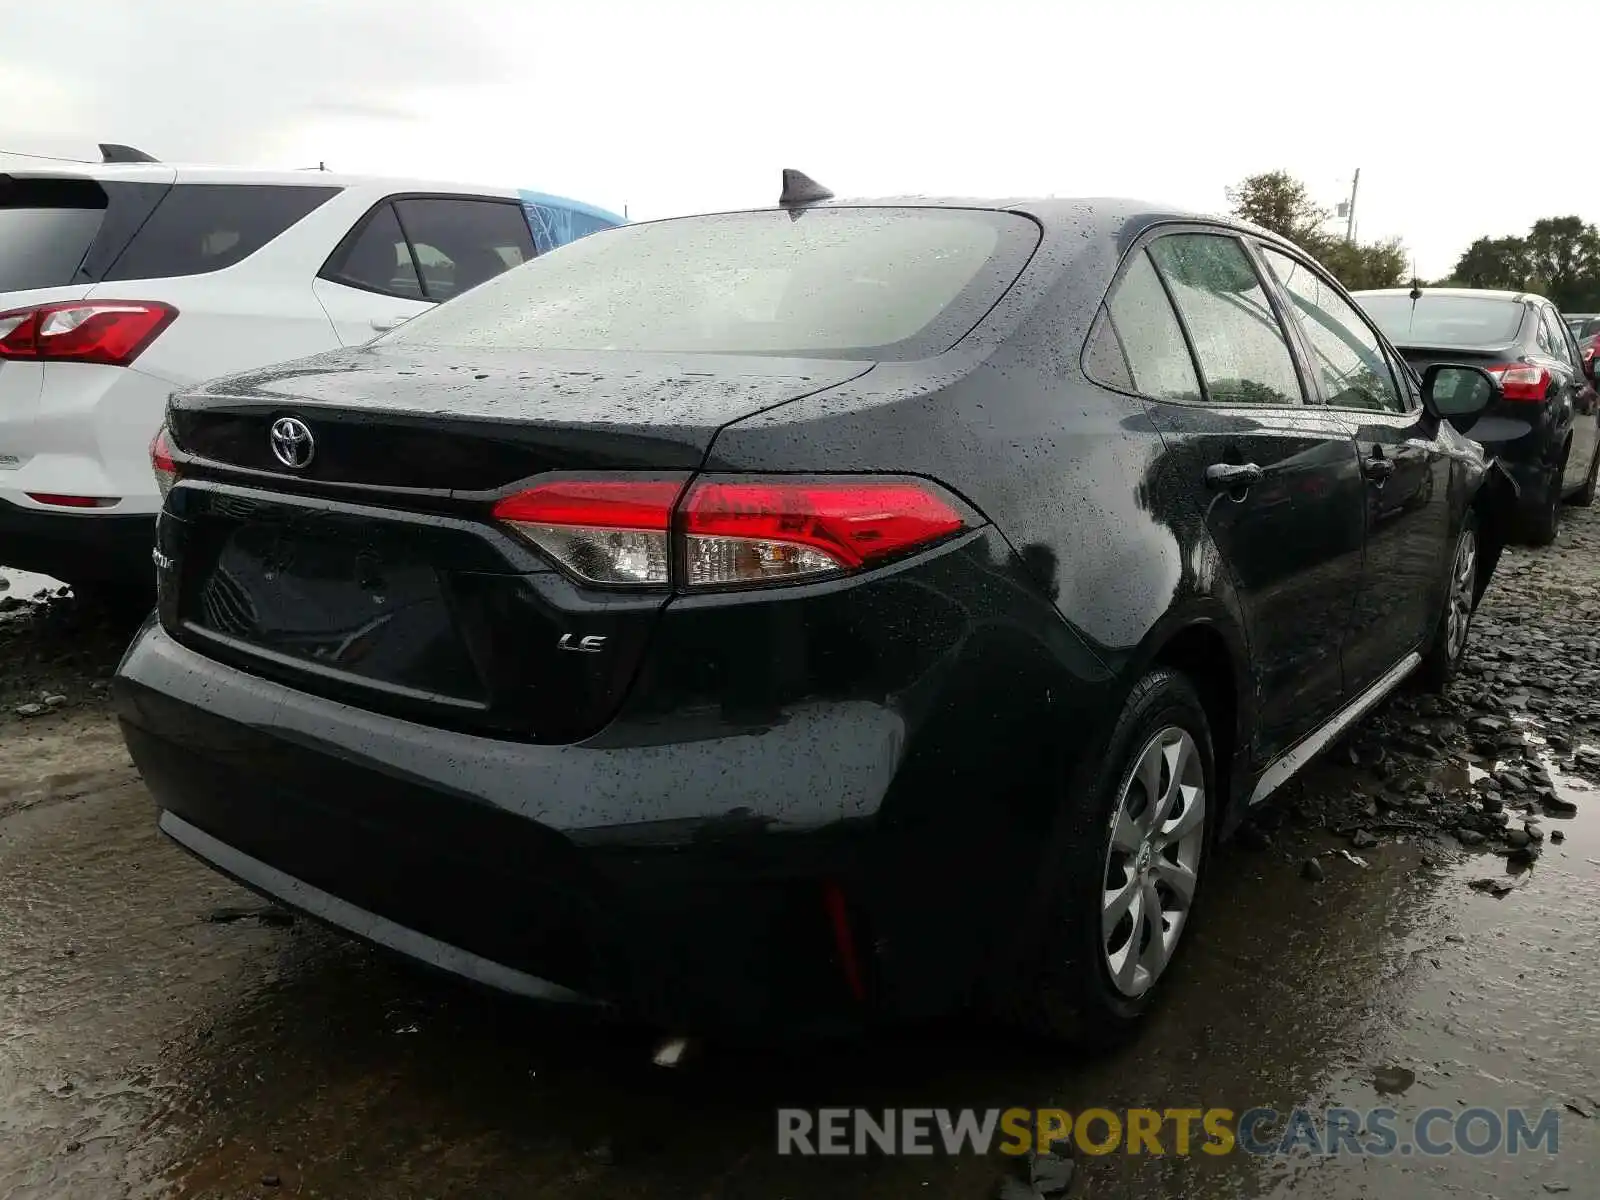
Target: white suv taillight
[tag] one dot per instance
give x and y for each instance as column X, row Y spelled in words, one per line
column 730, row 531
column 111, row 332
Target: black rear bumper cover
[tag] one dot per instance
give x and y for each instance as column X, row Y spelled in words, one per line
column 78, row 547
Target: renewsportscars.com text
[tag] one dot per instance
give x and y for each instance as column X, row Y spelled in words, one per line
column 1376, row 1132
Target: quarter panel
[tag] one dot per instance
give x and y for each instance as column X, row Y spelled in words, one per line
column 1072, row 475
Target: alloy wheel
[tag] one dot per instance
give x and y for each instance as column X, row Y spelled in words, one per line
column 1463, row 580
column 1152, row 865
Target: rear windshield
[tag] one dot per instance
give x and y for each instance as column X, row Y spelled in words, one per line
column 1440, row 319
column 842, row 282
column 46, row 227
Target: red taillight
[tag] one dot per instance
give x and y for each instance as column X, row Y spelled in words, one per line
column 732, row 530
column 161, row 462
column 112, row 332
column 1520, row 381
column 753, row 531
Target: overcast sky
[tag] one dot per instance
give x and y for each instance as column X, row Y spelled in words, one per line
column 687, row 105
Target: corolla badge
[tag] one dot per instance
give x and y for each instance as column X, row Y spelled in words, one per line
column 292, row 443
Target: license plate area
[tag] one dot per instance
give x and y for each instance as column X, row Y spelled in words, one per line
column 345, row 599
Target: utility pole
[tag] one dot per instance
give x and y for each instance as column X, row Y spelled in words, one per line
column 1350, row 209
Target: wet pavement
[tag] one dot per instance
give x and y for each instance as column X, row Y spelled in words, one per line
column 162, row 1033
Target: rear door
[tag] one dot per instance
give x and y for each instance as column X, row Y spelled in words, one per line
column 409, row 253
column 1275, row 477
column 1581, row 395
column 1406, row 472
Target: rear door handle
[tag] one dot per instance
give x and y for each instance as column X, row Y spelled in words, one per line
column 1230, row 477
column 384, row 324
column 1377, row 469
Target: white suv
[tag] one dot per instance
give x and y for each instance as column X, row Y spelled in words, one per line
column 120, row 282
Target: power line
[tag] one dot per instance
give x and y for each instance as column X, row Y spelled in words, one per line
column 44, row 157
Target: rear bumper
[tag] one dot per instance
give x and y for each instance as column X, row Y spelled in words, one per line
column 472, row 856
column 1535, row 481
column 341, row 914
column 791, row 820
column 78, row 546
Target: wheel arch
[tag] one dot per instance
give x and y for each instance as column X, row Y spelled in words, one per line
column 1211, row 652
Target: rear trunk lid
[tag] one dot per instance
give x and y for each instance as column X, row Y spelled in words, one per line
column 1502, row 423
column 1421, row 357
column 374, row 573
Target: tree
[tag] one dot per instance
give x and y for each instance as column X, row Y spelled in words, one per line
column 1357, row 266
column 1564, row 253
column 1494, row 263
column 1278, row 201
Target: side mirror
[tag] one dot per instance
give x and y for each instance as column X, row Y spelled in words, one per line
column 1458, row 394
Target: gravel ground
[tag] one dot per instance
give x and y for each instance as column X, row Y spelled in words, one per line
column 1413, row 921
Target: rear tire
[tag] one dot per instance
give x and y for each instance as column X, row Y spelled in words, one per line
column 1122, row 873
column 1584, row 496
column 1539, row 528
column 1452, row 632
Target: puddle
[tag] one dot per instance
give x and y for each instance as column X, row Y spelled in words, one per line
column 24, row 585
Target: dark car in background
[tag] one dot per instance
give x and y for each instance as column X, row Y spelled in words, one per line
column 1583, row 325
column 1544, row 426
column 1586, row 329
column 797, row 617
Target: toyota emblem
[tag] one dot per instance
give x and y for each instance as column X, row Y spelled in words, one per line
column 292, row 443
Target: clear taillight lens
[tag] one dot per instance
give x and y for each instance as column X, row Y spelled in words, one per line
column 602, row 530
column 166, row 471
column 730, row 531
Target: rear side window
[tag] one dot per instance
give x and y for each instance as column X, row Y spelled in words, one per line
column 376, row 258
column 1243, row 350
column 1142, row 328
column 46, row 228
column 462, row 243
column 1557, row 334
column 203, row 227
column 865, row 283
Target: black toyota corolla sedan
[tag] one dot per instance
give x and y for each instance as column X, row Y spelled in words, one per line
column 793, row 618
column 1545, row 427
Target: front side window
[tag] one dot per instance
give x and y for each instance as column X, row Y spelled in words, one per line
column 202, row 227
column 865, row 283
column 462, row 243
column 1346, row 355
column 1242, row 349
column 376, row 258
